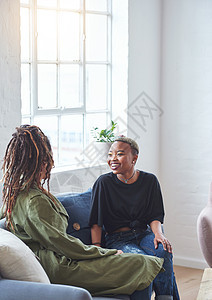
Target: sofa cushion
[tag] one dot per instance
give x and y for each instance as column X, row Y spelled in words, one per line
column 78, row 208
column 17, row 261
column 2, row 223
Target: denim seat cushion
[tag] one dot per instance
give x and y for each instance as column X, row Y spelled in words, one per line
column 78, row 209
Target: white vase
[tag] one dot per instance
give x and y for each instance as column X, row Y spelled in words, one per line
column 102, row 149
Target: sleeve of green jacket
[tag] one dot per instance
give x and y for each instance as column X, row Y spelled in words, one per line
column 48, row 227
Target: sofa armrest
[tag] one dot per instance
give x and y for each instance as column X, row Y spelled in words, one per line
column 2, row 223
column 25, row 290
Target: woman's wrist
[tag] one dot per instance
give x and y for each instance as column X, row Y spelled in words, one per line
column 97, row 243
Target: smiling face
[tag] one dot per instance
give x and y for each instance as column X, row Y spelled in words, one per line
column 121, row 160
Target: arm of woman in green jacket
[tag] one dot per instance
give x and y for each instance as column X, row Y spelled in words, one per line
column 47, row 226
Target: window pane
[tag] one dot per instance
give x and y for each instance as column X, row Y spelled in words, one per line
column 26, row 121
column 69, row 36
column 25, row 25
column 47, row 86
column 73, row 4
column 47, row 29
column 92, row 121
column 96, row 37
column 49, row 125
column 71, row 138
column 25, row 89
column 96, row 5
column 47, row 3
column 69, row 86
column 24, row 1
column 96, row 87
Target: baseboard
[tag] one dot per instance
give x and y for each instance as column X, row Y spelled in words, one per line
column 190, row 263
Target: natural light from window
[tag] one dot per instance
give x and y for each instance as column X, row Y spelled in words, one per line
column 66, row 71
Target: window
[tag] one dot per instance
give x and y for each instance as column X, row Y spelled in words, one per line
column 66, row 71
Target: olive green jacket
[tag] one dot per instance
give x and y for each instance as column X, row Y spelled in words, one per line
column 41, row 223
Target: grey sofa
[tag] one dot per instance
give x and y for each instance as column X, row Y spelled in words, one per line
column 77, row 206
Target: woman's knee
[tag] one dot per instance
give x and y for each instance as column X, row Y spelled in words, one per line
column 160, row 252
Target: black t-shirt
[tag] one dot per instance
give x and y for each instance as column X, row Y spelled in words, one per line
column 116, row 204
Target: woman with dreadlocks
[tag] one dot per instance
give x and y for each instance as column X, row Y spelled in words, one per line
column 40, row 220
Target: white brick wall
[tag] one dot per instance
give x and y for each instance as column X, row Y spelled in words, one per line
column 144, row 80
column 10, row 101
column 170, row 45
column 78, row 180
column 186, row 132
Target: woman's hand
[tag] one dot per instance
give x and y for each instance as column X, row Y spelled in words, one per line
column 119, row 252
column 160, row 238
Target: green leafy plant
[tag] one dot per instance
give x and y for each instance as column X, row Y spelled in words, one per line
column 104, row 135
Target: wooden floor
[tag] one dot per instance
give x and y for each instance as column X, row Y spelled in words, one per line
column 188, row 281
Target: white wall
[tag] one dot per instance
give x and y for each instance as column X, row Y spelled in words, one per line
column 10, row 99
column 120, row 64
column 170, row 59
column 75, row 180
column 186, row 132
column 144, row 80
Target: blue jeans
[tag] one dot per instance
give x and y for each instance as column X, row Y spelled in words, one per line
column 142, row 242
column 142, row 295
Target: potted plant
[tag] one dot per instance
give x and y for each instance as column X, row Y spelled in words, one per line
column 104, row 135
column 103, row 140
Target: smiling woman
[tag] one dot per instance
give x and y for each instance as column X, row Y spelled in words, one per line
column 122, row 158
column 129, row 204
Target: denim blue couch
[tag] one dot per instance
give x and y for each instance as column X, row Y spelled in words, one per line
column 78, row 207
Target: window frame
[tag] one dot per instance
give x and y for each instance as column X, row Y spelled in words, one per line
column 33, row 63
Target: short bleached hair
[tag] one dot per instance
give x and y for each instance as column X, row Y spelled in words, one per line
column 127, row 140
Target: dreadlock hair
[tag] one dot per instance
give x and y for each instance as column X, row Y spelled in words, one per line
column 25, row 155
